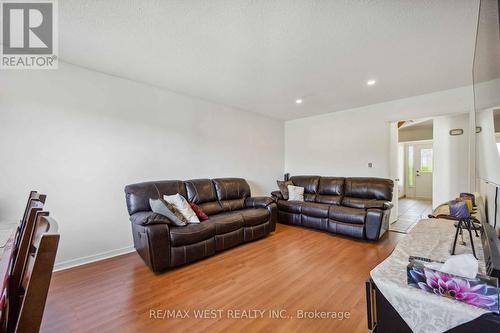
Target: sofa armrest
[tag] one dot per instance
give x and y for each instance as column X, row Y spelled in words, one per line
column 152, row 242
column 377, row 223
column 148, row 218
column 276, row 195
column 388, row 205
column 269, row 204
column 258, row 202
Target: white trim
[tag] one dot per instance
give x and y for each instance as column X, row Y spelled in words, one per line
column 92, row 258
column 419, row 141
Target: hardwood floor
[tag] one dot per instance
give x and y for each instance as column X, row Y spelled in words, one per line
column 293, row 269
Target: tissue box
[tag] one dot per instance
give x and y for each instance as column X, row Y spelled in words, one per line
column 481, row 291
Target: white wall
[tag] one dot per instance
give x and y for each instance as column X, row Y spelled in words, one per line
column 81, row 136
column 415, row 133
column 343, row 143
column 451, row 174
column 338, row 144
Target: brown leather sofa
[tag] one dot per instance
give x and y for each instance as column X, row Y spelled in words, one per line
column 235, row 217
column 357, row 207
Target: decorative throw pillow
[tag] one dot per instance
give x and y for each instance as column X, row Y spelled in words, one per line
column 295, row 193
column 283, row 186
column 198, row 211
column 162, row 207
column 183, row 206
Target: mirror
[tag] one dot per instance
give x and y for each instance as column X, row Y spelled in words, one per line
column 486, row 75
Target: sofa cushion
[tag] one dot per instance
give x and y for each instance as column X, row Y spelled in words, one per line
column 283, row 186
column 310, row 197
column 231, row 192
column 315, row 209
column 290, row 206
column 162, row 207
column 309, row 183
column 138, row 195
column 328, row 199
column 226, row 222
column 295, row 193
column 211, row 208
column 183, row 206
column 148, row 218
column 202, row 192
column 198, row 211
column 369, row 188
column 330, row 190
column 231, row 188
column 347, row 214
column 192, row 233
column 254, row 216
column 331, row 185
column 363, row 203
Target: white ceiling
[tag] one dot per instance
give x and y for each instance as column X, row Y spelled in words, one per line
column 262, row 55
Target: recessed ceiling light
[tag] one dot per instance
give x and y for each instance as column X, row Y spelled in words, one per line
column 298, row 101
column 370, row 82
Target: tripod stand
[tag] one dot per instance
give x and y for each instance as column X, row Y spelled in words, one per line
column 467, row 224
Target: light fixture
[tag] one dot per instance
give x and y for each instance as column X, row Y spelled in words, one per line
column 370, row 82
column 298, row 101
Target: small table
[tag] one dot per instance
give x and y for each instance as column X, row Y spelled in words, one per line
column 393, row 306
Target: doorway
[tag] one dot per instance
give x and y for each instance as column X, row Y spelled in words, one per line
column 418, row 168
column 412, row 166
column 415, row 160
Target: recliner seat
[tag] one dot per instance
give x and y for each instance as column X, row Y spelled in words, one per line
column 357, row 207
column 234, row 215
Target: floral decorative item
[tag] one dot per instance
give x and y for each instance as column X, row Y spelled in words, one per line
column 481, row 292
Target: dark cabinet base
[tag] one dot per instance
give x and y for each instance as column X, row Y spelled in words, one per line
column 383, row 318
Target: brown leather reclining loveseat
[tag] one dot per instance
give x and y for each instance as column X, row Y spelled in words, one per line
column 357, row 207
column 234, row 218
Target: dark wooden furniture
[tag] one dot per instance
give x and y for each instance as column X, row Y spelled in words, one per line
column 37, row 275
column 383, row 318
column 26, row 268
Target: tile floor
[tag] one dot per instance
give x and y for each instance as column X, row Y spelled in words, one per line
column 410, row 212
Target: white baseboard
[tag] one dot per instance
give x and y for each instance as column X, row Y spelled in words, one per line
column 92, row 258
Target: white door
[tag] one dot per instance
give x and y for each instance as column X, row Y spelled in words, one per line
column 423, row 170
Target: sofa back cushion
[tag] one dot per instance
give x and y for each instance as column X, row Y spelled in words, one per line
column 231, row 192
column 138, row 195
column 310, row 185
column 367, row 192
column 330, row 190
column 202, row 192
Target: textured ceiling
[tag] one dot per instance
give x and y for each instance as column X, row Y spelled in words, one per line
column 262, row 55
